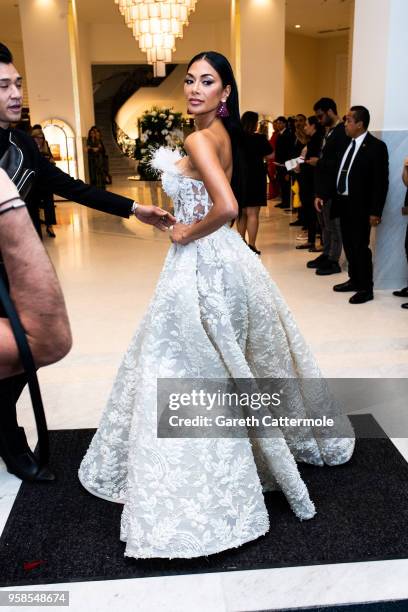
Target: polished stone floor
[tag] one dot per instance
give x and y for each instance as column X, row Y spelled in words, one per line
column 108, row 268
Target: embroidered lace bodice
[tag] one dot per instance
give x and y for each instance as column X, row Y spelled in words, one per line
column 216, row 313
column 190, row 198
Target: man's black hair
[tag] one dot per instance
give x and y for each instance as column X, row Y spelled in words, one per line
column 361, row 113
column 5, row 55
column 325, row 104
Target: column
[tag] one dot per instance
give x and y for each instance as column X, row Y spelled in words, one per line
column 379, row 82
column 259, row 54
column 59, row 86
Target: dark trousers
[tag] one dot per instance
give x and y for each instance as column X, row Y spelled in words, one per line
column 10, row 391
column 284, row 185
column 406, row 243
column 355, row 227
column 331, row 232
column 47, row 204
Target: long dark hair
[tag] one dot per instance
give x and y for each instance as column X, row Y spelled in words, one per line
column 249, row 121
column 232, row 123
column 313, row 120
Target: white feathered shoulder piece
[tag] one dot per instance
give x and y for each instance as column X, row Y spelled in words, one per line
column 164, row 159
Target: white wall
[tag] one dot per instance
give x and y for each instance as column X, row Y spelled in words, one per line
column 262, row 55
column 369, row 65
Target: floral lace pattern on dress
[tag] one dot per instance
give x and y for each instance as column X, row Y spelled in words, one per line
column 215, row 313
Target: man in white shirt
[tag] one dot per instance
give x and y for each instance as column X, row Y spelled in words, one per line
column 361, row 186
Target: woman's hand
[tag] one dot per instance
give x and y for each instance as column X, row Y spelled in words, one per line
column 178, row 234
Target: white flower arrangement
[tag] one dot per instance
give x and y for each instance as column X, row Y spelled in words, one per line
column 158, row 127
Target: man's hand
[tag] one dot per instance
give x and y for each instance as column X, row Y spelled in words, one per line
column 153, row 215
column 319, row 203
column 312, row 161
column 178, row 234
column 406, row 162
column 374, row 221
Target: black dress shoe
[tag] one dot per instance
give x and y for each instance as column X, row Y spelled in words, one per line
column 303, row 246
column 405, row 305
column 344, row 287
column 283, row 206
column 361, row 297
column 296, row 223
column 328, row 267
column 315, row 263
column 402, row 293
column 19, row 458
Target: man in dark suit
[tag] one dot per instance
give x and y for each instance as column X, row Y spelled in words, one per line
column 404, row 292
column 20, row 157
column 283, row 152
column 361, row 186
column 334, row 141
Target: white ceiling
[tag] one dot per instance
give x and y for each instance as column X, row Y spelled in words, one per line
column 312, row 15
column 315, row 16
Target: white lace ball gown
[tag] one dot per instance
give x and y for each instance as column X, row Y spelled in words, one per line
column 215, row 313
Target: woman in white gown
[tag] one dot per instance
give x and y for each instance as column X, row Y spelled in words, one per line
column 215, row 313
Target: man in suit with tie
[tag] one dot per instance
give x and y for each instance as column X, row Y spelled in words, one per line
column 361, row 191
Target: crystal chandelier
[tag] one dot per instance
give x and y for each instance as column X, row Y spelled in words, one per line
column 156, row 24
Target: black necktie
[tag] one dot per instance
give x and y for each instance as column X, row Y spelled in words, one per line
column 341, row 187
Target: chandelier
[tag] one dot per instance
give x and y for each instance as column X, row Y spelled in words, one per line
column 155, row 25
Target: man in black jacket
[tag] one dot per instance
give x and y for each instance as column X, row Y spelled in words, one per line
column 20, row 157
column 404, row 292
column 361, row 191
column 333, row 144
column 283, row 152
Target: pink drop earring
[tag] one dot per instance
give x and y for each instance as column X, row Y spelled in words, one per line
column 222, row 110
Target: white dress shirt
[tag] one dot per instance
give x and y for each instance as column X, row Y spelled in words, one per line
column 359, row 142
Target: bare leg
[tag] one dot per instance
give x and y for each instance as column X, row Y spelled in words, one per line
column 252, row 224
column 242, row 223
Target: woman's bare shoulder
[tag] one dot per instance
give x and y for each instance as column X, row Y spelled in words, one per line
column 200, row 138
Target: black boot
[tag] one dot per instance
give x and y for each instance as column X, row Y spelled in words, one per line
column 19, row 458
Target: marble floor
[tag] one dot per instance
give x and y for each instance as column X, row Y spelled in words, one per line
column 108, row 268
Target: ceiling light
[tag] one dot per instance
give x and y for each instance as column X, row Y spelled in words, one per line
column 297, row 26
column 155, row 25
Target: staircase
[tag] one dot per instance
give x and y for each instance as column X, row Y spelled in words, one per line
column 119, row 164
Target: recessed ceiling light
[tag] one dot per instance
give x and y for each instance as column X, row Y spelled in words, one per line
column 297, row 26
